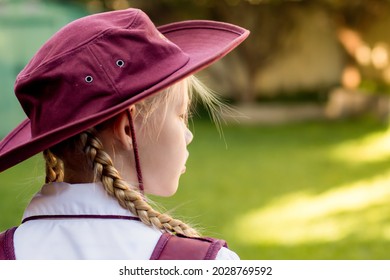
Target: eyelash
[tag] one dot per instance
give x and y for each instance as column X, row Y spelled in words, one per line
column 185, row 117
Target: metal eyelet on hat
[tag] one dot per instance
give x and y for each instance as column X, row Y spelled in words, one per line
column 89, row 79
column 120, row 63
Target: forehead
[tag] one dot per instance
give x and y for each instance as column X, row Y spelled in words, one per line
column 178, row 94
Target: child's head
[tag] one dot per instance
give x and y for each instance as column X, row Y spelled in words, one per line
column 160, row 122
column 101, row 81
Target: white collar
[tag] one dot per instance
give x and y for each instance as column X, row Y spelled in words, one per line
column 74, row 199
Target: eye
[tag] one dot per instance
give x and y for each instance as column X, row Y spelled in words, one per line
column 184, row 117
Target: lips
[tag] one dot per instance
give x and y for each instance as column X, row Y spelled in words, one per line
column 184, row 168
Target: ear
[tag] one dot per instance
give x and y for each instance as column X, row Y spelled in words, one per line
column 122, row 132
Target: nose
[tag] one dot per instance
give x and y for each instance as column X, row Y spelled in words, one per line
column 188, row 136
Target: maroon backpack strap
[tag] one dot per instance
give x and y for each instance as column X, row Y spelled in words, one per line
column 7, row 251
column 180, row 247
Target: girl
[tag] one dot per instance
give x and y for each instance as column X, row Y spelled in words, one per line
column 107, row 101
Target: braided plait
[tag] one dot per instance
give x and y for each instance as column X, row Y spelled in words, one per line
column 54, row 167
column 128, row 197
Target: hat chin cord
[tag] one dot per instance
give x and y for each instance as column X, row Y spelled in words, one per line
column 136, row 155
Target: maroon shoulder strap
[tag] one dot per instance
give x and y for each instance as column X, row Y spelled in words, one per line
column 7, row 251
column 179, row 247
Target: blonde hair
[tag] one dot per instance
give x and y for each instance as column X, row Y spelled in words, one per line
column 87, row 147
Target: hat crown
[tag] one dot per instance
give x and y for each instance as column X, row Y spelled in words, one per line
column 92, row 64
column 78, row 33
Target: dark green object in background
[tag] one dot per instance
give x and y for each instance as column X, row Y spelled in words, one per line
column 24, row 26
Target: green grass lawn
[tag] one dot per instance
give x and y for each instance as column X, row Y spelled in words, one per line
column 314, row 190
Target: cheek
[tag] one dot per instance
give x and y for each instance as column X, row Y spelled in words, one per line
column 163, row 159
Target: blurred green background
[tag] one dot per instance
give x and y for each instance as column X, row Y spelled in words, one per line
column 302, row 170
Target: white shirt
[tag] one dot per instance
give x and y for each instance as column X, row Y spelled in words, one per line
column 76, row 238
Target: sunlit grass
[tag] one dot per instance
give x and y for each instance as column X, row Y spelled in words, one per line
column 372, row 147
column 360, row 211
column 357, row 211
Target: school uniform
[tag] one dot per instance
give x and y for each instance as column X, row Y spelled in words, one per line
column 81, row 221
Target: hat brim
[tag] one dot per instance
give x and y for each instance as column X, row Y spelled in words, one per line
column 203, row 41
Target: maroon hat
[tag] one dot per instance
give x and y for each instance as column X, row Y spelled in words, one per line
column 97, row 66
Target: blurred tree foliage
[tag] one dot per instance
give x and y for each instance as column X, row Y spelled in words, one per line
column 270, row 21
